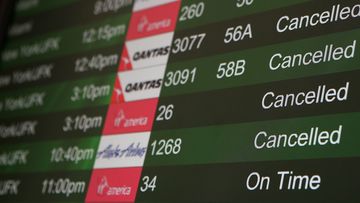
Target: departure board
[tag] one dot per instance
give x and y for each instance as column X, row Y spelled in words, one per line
column 169, row 101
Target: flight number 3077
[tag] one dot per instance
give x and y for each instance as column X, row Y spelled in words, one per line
column 188, row 43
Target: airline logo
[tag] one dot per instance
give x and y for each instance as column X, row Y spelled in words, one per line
column 117, row 95
column 153, row 21
column 113, row 185
column 120, row 151
column 146, row 52
column 139, row 84
column 129, row 117
column 104, row 188
column 145, row 4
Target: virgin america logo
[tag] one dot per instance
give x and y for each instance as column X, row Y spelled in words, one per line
column 145, row 26
column 105, row 189
column 143, row 22
column 119, row 118
column 122, row 121
column 102, row 186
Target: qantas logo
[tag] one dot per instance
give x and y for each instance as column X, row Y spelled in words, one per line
column 140, row 86
column 146, row 52
column 117, row 95
column 162, row 51
column 126, row 62
column 105, row 189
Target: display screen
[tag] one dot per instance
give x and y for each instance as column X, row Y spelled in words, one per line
column 169, row 101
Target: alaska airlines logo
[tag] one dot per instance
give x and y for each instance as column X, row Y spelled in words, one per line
column 139, row 86
column 105, row 189
column 112, row 151
column 162, row 51
column 145, row 25
column 122, row 121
